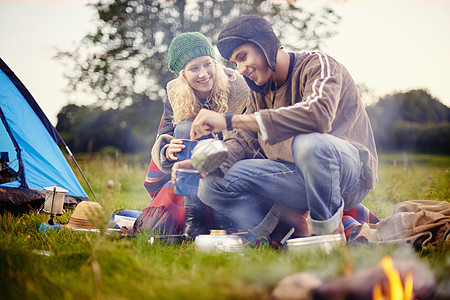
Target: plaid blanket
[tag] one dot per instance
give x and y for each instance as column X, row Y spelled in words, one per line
column 165, row 203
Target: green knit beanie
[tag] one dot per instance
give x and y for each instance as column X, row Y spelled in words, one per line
column 186, row 47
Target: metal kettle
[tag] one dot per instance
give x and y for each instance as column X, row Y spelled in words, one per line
column 209, row 154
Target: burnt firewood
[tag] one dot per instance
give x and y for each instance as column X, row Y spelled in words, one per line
column 360, row 285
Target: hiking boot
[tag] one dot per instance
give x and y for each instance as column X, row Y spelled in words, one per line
column 224, row 223
column 340, row 230
column 195, row 223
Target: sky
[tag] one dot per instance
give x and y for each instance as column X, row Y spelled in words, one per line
column 387, row 45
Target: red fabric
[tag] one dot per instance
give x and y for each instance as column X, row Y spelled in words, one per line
column 162, row 190
column 361, row 214
column 166, row 223
column 165, row 203
column 161, row 122
column 353, row 220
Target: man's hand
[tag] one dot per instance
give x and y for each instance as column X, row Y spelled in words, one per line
column 207, row 121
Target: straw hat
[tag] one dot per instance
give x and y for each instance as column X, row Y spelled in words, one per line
column 87, row 215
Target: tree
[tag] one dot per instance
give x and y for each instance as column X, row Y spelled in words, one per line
column 413, row 121
column 125, row 59
column 91, row 128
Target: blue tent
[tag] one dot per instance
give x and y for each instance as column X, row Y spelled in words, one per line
column 30, row 156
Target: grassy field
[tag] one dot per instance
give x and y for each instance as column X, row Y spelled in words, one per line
column 70, row 265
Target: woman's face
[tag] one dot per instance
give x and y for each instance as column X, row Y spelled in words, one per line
column 199, row 73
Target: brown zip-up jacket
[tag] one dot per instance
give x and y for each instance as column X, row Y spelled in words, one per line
column 320, row 96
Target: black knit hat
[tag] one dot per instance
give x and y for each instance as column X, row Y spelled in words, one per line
column 249, row 28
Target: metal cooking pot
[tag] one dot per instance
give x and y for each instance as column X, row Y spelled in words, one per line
column 219, row 243
column 208, row 155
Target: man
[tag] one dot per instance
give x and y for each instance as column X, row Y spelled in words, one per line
column 306, row 116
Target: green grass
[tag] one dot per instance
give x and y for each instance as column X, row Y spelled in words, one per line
column 71, row 265
column 404, row 176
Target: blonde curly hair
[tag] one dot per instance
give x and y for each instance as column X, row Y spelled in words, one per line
column 186, row 104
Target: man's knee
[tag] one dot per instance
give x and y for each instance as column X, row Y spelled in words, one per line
column 306, row 146
column 206, row 189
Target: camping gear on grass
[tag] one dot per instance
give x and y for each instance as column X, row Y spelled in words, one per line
column 123, row 218
column 87, row 215
column 169, row 239
column 218, row 240
column 45, row 228
column 30, row 156
column 54, row 201
column 325, row 242
column 53, row 205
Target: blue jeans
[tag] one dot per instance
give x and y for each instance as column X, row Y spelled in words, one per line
column 325, row 179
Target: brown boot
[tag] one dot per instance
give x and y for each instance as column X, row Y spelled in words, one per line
column 341, row 232
column 299, row 219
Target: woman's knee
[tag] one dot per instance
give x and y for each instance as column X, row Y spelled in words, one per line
column 183, row 129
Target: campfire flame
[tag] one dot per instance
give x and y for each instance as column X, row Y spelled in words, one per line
column 394, row 290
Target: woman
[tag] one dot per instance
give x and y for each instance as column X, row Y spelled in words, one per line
column 202, row 82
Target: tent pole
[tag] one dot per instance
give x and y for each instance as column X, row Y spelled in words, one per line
column 79, row 169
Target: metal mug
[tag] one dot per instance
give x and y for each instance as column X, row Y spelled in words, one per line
column 187, row 151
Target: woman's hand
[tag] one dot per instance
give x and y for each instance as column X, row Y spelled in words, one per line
column 175, row 146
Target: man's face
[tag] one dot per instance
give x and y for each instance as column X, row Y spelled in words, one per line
column 250, row 62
